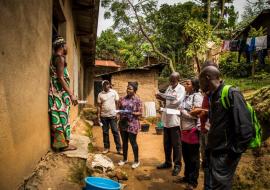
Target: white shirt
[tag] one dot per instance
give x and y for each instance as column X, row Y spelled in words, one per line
column 171, row 120
column 107, row 101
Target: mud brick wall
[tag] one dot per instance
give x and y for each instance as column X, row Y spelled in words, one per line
column 147, row 79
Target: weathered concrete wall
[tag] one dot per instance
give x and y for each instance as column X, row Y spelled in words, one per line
column 89, row 85
column 73, row 46
column 147, row 80
column 25, row 51
column 25, row 46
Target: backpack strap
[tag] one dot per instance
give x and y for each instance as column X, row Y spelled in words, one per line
column 225, row 96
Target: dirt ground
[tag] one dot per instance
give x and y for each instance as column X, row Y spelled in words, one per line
column 58, row 172
column 146, row 176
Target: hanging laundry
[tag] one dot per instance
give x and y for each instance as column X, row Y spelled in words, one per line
column 242, row 48
column 250, row 44
column 234, row 45
column 261, row 57
column 261, row 43
column 226, row 45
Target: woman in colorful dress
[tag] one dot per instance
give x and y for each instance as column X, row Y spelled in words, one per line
column 129, row 123
column 60, row 97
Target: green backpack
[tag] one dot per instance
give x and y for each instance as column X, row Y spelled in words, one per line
column 256, row 141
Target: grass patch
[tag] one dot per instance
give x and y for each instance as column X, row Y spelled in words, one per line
column 246, row 84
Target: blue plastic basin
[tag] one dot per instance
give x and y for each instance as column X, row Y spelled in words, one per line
column 99, row 183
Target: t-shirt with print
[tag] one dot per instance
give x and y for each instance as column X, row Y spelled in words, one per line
column 107, row 101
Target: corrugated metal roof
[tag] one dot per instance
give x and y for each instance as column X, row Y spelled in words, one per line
column 106, row 63
column 158, row 66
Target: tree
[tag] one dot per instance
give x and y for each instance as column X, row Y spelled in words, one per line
column 215, row 10
column 198, row 34
column 129, row 49
column 133, row 50
column 107, row 46
column 130, row 16
column 163, row 28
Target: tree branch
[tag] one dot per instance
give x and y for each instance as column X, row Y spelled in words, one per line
column 148, row 38
column 221, row 15
column 209, row 12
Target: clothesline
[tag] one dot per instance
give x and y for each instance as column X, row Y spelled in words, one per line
column 249, row 44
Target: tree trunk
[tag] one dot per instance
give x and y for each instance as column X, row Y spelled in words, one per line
column 197, row 63
column 209, row 12
column 253, row 68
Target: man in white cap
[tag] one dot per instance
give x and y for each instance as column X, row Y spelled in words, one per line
column 107, row 103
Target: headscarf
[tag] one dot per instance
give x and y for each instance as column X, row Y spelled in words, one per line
column 134, row 85
column 58, row 41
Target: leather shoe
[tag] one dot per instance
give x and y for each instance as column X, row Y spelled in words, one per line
column 176, row 170
column 164, row 166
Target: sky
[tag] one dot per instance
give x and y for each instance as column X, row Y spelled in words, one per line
column 103, row 24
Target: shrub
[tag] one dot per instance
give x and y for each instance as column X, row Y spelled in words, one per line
column 229, row 65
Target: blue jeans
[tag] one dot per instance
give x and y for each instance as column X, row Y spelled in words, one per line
column 107, row 123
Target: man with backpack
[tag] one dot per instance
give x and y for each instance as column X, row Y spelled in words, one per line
column 231, row 129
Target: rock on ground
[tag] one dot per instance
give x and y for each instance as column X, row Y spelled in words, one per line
column 81, row 142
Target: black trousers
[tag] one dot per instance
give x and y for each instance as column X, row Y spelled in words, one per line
column 191, row 156
column 221, row 170
column 107, row 123
column 172, row 142
column 133, row 141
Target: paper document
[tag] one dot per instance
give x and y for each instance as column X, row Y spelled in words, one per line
column 82, row 101
column 122, row 111
column 170, row 111
column 167, row 97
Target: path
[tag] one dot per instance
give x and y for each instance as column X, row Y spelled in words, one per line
column 146, row 177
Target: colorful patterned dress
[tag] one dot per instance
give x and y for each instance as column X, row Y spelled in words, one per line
column 132, row 104
column 59, row 107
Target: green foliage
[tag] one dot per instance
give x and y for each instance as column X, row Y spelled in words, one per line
column 198, row 33
column 246, row 84
column 185, row 69
column 255, row 33
column 107, row 45
column 178, row 31
column 230, row 67
column 129, row 49
column 133, row 50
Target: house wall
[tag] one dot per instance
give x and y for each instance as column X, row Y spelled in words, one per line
column 73, row 47
column 148, row 83
column 89, row 85
column 25, row 51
